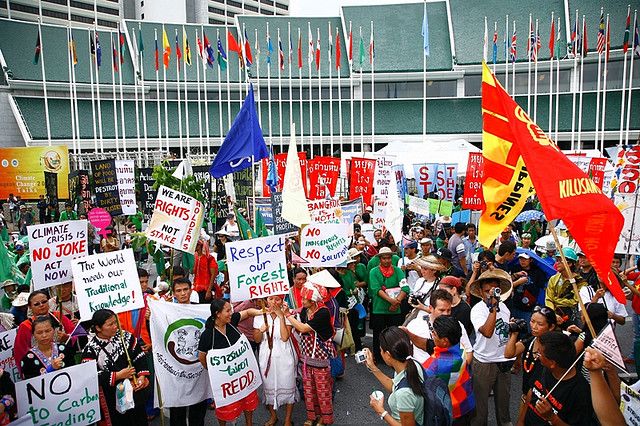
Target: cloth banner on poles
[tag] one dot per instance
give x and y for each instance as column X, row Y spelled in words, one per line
column 324, row 173
column 401, row 180
column 105, row 181
column 125, row 172
column 446, row 177
column 233, row 372
column 63, row 397
column 627, row 171
column 257, row 268
column 176, row 220
column 361, row 176
column 324, row 244
column 425, row 175
column 242, row 187
column 382, row 177
column 176, row 330
column 52, row 246
column 107, row 281
column 221, row 204
column 629, row 241
column 147, row 193
column 472, row 197
column 281, row 166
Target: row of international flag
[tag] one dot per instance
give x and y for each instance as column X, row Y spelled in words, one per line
column 209, row 55
column 578, row 44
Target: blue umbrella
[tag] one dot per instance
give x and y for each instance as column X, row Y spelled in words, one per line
column 544, row 266
column 528, row 215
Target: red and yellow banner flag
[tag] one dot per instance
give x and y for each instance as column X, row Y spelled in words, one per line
column 505, row 182
column 564, row 190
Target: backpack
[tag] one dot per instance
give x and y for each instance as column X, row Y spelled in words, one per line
column 437, row 402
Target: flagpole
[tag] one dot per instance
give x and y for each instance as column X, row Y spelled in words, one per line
column 529, row 54
column 44, row 78
column 320, row 120
column 535, row 76
column 135, row 91
column 552, row 40
column 257, row 62
column 513, row 65
column 93, row 100
column 199, row 45
column 339, row 71
column 424, row 82
column 351, row 94
column 280, row 67
column 124, row 140
column 75, row 96
column 330, row 90
column 624, row 85
column 70, row 65
column 228, row 78
column 140, row 56
column 583, row 48
column 506, row 53
column 372, row 56
column 604, row 85
column 300, row 89
column 495, row 35
column 633, row 48
column 269, row 87
column 179, row 100
column 186, row 97
column 157, row 53
column 114, row 61
column 205, row 64
column 558, row 39
column 166, row 100
column 310, row 60
column 360, row 46
column 599, row 77
column 289, row 78
column 220, row 90
column 485, row 41
column 574, row 78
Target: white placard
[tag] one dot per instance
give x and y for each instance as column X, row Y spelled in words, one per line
column 52, row 246
column 233, row 372
column 125, row 173
column 62, row 397
column 325, row 211
column 107, row 281
column 418, row 205
column 7, row 362
column 257, row 268
column 324, row 244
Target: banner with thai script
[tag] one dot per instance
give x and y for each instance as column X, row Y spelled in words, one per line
column 383, row 176
column 105, row 184
column 176, row 220
column 125, row 173
column 401, row 180
column 361, row 174
column 324, row 173
column 324, row 244
column 594, row 167
column 472, row 197
column 280, row 161
column 22, row 171
column 627, row 171
column 52, row 246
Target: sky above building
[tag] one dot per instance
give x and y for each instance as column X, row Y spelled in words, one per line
column 332, row 7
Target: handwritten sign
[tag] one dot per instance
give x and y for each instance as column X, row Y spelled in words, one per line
column 100, row 218
column 472, row 197
column 379, row 212
column 53, row 245
column 107, row 281
column 324, row 244
column 176, row 220
column 325, row 211
column 425, row 175
column 105, row 182
column 233, row 372
column 125, row 173
column 64, row 397
column 257, row 268
column 383, row 177
column 419, row 205
column 280, row 225
column 7, row 362
column 630, row 404
column 147, row 193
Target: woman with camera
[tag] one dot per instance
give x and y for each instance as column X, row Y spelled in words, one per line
column 543, row 320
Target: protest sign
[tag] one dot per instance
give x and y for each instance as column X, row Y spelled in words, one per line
column 419, row 205
column 242, row 187
column 446, row 177
column 220, row 203
column 51, row 186
column 264, row 206
column 324, row 173
column 280, row 225
column 401, row 180
column 107, row 281
column 100, row 219
column 473, row 198
column 608, row 345
column 147, row 193
column 325, row 211
column 52, row 246
column 361, row 173
column 233, row 372
column 63, row 397
column 280, row 161
column 630, row 404
column 257, row 268
column 627, row 170
column 105, row 182
column 175, row 330
column 7, row 362
column 125, row 173
column 324, row 244
column 379, row 209
column 629, row 240
column 434, row 205
column 350, row 209
column 22, row 171
column 201, row 174
column 425, row 175
column 382, row 177
column 176, row 220
column 445, row 208
column 594, row 167
column 463, row 216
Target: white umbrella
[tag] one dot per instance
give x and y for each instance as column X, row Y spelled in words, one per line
column 542, row 241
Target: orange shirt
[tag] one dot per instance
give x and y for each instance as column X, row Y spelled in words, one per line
column 204, row 267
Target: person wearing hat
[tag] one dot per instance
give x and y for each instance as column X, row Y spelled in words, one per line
column 460, row 309
column 426, row 246
column 375, row 260
column 20, row 306
column 387, row 289
column 549, row 255
column 25, row 218
column 231, row 227
column 10, row 292
column 529, row 280
column 559, row 294
column 445, row 257
column 534, row 228
column 586, row 271
column 491, row 369
column 526, row 241
column 222, row 238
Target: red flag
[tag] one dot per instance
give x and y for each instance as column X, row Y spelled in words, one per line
column 350, row 47
column 299, row 49
column 473, row 198
column 324, row 172
column 565, row 192
column 233, row 43
column 552, row 37
column 318, row 51
column 361, row 175
column 338, row 52
column 608, row 40
column 281, row 165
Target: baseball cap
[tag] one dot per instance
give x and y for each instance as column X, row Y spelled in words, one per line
column 426, row 240
column 411, row 244
column 451, row 281
column 524, row 256
column 445, row 253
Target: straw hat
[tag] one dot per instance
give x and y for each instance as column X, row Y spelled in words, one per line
column 502, row 277
column 353, row 253
column 385, row 251
column 21, row 300
column 323, row 279
column 430, row 262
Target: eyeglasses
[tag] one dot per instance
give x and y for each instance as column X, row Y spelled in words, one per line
column 543, row 310
column 36, row 304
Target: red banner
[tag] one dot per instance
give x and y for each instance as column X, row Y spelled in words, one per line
column 596, row 170
column 281, row 164
column 565, row 191
column 324, row 173
column 361, row 178
column 473, row 198
column 627, row 170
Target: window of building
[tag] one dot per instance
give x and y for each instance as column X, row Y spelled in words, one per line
column 142, row 4
column 234, row 3
column 216, row 10
column 216, row 21
column 251, row 8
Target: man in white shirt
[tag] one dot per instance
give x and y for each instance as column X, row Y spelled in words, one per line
column 617, row 311
column 419, row 329
column 231, row 227
column 491, row 369
column 411, row 270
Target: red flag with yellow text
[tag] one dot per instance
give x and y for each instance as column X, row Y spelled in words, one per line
column 564, row 190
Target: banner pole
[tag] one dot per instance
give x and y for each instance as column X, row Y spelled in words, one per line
column 160, row 403
column 565, row 373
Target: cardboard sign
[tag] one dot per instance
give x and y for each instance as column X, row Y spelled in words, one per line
column 630, row 404
column 105, row 182
column 445, row 208
column 64, row 397
column 7, row 362
column 175, row 330
column 280, row 226
column 52, row 247
column 419, row 205
column 147, row 193
column 107, row 281
column 125, row 173
column 324, row 244
column 176, row 220
column 473, row 198
column 257, row 268
column 325, row 211
column 608, row 345
column 379, row 211
column 100, row 219
column 233, row 372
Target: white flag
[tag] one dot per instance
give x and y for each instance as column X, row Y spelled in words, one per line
column 607, row 343
column 175, row 331
column 294, row 200
column 393, row 214
column 183, row 170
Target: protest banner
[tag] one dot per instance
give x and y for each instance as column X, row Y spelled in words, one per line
column 594, row 167
column 22, row 171
column 100, row 219
column 242, row 187
column 221, row 204
column 383, row 176
column 472, row 197
column 629, row 240
column 7, row 361
column 379, row 209
column 147, row 193
column 630, row 404
column 324, row 173
column 434, row 205
column 264, row 206
column 325, row 211
column 233, row 372
column 446, row 177
column 361, row 176
column 63, row 397
column 105, row 182
column 607, row 344
column 257, row 268
column 107, row 281
column 350, row 209
column 201, row 174
column 627, row 170
column 280, row 161
column 280, row 225
column 175, row 330
column 176, row 220
column 324, row 244
column 125, row 174
column 401, row 180
column 463, row 216
column 425, row 176
column 52, row 246
column 419, row 205
column 445, row 208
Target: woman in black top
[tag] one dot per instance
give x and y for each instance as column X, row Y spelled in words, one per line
column 221, row 332
column 45, row 355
